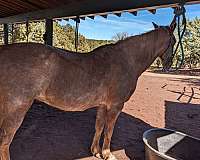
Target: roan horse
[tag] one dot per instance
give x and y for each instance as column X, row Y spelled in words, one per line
column 105, row 77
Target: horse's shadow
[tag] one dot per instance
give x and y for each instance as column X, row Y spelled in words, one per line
column 51, row 134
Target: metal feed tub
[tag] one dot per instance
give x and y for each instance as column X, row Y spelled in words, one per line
column 165, row 144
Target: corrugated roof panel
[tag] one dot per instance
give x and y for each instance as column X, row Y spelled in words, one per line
column 10, row 8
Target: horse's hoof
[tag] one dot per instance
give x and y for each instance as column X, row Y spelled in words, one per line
column 111, row 157
column 98, row 155
column 96, row 152
column 107, row 155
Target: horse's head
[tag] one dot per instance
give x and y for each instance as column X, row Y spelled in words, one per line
column 167, row 55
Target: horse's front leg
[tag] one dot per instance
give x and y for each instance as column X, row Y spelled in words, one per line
column 10, row 121
column 4, row 153
column 99, row 126
column 111, row 117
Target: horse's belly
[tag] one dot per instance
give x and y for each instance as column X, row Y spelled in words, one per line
column 74, row 102
column 73, row 108
column 76, row 90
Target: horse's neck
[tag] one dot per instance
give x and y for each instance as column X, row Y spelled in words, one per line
column 141, row 51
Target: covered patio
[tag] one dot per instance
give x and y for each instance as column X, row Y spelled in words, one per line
column 51, row 134
column 22, row 11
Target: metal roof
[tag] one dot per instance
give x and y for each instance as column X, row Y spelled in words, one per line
column 23, row 10
column 10, row 8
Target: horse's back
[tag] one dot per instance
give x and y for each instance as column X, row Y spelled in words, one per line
column 25, row 68
column 81, row 81
column 61, row 77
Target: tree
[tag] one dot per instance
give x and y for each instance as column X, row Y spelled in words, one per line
column 63, row 36
column 19, row 32
column 191, row 45
column 120, row 36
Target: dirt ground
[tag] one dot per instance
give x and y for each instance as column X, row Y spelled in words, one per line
column 159, row 101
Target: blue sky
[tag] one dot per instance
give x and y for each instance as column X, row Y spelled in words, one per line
column 101, row 28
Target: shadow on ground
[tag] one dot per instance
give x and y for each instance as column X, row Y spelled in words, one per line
column 183, row 117
column 188, row 72
column 189, row 81
column 51, row 134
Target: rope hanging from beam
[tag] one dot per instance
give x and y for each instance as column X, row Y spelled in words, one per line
column 180, row 13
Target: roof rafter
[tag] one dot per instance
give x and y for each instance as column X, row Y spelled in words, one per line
column 32, row 4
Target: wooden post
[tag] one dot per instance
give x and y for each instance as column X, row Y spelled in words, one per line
column 27, row 30
column 48, row 37
column 5, row 30
column 12, row 33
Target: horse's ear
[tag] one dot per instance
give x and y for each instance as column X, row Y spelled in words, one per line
column 173, row 25
column 155, row 25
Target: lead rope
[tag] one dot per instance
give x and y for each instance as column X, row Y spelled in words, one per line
column 77, row 20
column 180, row 12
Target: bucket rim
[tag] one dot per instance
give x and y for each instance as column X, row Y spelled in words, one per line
column 145, row 134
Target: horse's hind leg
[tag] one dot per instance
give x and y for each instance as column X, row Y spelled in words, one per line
column 111, row 117
column 99, row 126
column 10, row 121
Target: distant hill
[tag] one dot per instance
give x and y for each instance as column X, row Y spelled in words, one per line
column 65, row 38
column 93, row 44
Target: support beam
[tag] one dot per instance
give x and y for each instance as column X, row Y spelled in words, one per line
column 118, row 14
column 91, row 17
column 134, row 13
column 48, row 37
column 27, row 30
column 5, row 30
column 83, row 18
column 92, row 8
column 104, row 16
column 153, row 11
column 12, row 33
